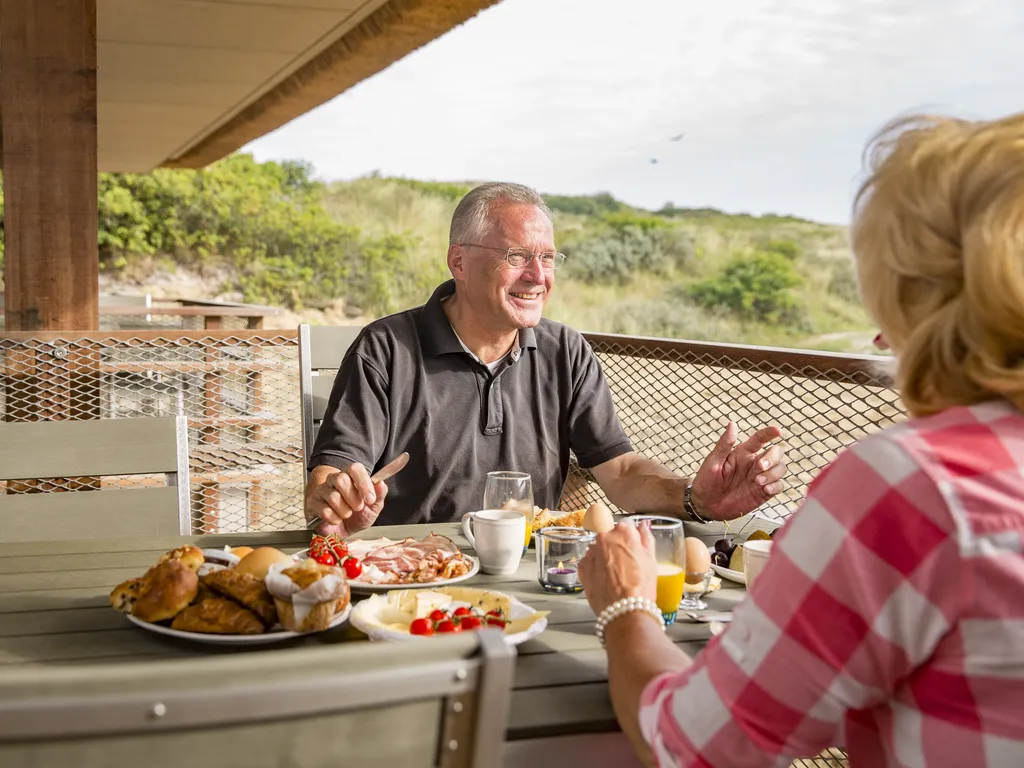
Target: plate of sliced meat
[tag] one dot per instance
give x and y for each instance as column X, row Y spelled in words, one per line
column 379, row 565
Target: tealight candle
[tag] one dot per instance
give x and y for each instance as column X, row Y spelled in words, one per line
column 563, row 577
column 559, row 550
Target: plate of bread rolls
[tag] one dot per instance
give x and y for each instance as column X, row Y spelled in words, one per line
column 229, row 597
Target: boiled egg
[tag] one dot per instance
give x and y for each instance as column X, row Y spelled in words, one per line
column 598, row 518
column 698, row 559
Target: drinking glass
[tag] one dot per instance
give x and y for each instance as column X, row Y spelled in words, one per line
column 670, row 551
column 511, row 490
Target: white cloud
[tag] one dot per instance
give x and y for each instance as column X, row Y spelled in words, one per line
column 776, row 97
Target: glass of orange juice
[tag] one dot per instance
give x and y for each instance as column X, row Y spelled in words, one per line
column 511, row 490
column 670, row 551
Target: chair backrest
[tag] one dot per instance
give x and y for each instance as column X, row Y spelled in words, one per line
column 366, row 704
column 59, row 451
column 321, row 348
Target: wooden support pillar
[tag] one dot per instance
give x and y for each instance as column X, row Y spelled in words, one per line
column 48, row 114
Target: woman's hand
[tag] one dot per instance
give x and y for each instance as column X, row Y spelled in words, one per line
column 620, row 564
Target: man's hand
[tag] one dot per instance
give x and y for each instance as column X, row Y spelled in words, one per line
column 737, row 479
column 346, row 499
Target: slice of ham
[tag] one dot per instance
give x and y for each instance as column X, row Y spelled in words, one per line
column 386, row 561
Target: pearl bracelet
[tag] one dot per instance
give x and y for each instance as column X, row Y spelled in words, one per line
column 626, row 605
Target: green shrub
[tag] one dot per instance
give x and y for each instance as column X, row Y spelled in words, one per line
column 592, row 205
column 625, row 246
column 843, row 282
column 756, row 287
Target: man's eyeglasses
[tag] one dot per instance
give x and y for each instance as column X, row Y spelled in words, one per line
column 520, row 257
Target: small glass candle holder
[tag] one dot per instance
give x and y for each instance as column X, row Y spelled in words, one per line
column 559, row 550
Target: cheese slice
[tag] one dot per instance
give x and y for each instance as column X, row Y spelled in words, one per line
column 417, row 603
column 427, row 602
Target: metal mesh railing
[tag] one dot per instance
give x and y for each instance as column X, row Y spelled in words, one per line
column 674, row 399
column 238, row 390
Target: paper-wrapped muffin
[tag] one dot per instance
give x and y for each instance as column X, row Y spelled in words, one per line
column 307, row 595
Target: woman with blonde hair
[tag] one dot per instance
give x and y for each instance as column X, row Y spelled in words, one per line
column 890, row 616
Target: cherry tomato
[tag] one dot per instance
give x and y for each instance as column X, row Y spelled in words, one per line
column 339, row 548
column 353, row 568
column 325, row 558
column 421, row 627
column 317, row 547
column 462, row 611
column 438, row 615
column 471, row 622
column 495, row 621
column 448, row 626
column 496, row 613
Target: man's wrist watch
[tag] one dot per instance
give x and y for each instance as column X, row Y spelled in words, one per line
column 690, row 507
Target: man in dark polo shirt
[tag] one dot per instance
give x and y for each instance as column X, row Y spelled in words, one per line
column 477, row 380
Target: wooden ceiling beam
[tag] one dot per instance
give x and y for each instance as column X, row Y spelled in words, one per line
column 385, row 36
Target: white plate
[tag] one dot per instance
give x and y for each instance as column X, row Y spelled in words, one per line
column 727, row 573
column 369, row 588
column 519, row 610
column 273, row 636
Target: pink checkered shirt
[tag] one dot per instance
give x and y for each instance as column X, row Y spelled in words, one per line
column 889, row 619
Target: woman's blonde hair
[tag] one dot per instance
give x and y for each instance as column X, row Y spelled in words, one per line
column 938, row 234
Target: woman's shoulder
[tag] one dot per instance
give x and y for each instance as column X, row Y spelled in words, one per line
column 965, row 440
column 960, row 468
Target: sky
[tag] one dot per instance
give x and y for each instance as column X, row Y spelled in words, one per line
column 775, row 98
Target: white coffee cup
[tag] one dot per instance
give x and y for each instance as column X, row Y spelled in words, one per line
column 755, row 557
column 497, row 535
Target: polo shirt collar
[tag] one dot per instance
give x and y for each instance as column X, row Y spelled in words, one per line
column 437, row 335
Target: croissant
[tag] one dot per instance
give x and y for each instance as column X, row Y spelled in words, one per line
column 243, row 588
column 218, row 616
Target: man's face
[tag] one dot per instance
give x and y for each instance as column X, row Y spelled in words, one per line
column 503, row 297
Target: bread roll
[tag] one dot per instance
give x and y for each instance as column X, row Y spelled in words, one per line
column 125, row 594
column 166, row 590
column 191, row 556
column 239, row 552
column 258, row 562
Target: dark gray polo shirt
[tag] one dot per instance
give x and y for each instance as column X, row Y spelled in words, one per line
column 407, row 384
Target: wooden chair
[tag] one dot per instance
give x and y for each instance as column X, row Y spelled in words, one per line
column 352, row 704
column 38, row 450
column 321, row 348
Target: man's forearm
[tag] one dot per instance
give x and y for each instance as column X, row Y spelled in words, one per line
column 646, row 486
column 638, row 651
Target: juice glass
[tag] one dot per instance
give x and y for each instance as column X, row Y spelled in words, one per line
column 670, row 551
column 511, row 490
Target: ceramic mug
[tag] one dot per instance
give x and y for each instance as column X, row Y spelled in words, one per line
column 497, row 535
column 755, row 557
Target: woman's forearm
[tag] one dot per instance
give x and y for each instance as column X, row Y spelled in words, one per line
column 638, row 651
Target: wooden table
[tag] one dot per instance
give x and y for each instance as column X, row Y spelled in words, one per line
column 54, row 610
